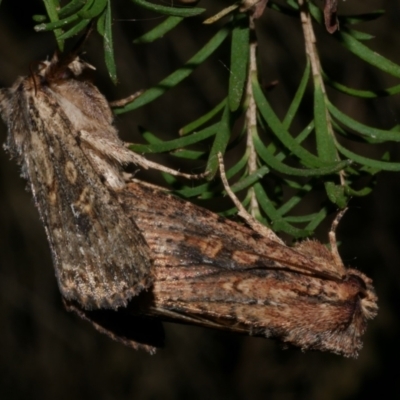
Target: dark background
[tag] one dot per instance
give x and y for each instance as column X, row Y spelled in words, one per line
column 46, row 353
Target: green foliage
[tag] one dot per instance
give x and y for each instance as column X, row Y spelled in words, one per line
column 269, row 148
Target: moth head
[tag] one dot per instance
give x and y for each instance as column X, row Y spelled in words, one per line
column 361, row 286
column 58, row 69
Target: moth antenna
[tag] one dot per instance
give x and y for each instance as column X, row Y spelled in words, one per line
column 257, row 226
column 84, row 38
column 332, row 239
column 80, row 43
column 32, row 74
column 71, row 55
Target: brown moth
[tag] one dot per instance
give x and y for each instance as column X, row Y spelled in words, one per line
column 213, row 272
column 60, row 132
column 111, row 239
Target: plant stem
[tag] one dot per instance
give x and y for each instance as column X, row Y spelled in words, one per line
column 312, row 54
column 251, row 117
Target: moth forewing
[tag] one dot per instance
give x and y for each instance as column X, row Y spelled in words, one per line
column 281, row 305
column 214, row 272
column 100, row 257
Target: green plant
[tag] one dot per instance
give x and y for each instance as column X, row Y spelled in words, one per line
column 318, row 155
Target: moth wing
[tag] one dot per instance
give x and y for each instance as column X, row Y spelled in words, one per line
column 181, row 233
column 100, row 257
column 304, row 311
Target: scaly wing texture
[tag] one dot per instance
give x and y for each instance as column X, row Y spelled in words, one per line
column 100, row 257
column 214, row 272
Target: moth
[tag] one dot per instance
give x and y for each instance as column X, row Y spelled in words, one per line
column 60, row 131
column 213, row 272
column 129, row 255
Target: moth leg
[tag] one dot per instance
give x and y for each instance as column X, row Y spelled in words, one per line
column 333, row 242
column 117, row 150
column 242, row 212
column 146, row 164
column 126, row 100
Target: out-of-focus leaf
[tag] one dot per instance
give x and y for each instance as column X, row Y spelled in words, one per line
column 240, row 51
column 203, row 119
column 319, row 217
column 279, row 130
column 277, row 222
column 109, row 44
column 250, row 179
column 367, row 94
column 366, row 54
column 70, row 8
column 175, row 11
column 177, row 76
column 379, row 135
column 382, row 165
column 272, row 162
column 359, row 18
column 221, row 140
column 175, row 143
column 95, row 9
column 298, row 97
column 51, row 8
column 74, row 30
column 160, row 30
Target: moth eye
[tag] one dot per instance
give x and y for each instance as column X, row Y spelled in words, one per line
column 356, row 280
column 359, row 284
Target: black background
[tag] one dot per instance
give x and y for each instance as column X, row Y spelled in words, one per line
column 46, row 353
